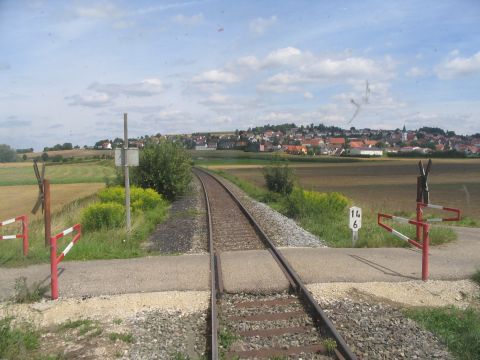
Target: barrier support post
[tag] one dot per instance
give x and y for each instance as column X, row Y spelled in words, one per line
column 419, row 220
column 53, row 268
column 426, row 241
column 25, row 235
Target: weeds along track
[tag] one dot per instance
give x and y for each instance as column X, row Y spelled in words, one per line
column 255, row 326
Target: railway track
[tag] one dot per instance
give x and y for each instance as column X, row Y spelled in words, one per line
column 247, row 326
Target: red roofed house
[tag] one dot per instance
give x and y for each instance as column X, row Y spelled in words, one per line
column 370, row 143
column 356, row 144
column 295, row 149
column 336, row 141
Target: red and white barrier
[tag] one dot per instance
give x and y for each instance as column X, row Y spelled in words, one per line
column 23, row 235
column 55, row 260
column 421, row 206
column 425, row 238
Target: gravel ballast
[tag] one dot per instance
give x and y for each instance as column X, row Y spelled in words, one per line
column 282, row 230
column 168, row 335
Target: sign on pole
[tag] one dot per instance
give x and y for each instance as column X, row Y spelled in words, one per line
column 355, row 221
column 132, row 157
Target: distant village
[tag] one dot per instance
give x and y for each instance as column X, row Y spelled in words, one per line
column 321, row 140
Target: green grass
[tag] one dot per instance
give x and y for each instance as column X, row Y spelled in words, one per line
column 230, row 157
column 83, row 326
column 59, row 174
column 102, row 244
column 476, row 276
column 19, row 342
column 127, row 337
column 335, row 231
column 458, row 329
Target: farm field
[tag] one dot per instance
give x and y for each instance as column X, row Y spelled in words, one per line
column 388, row 185
column 74, row 153
column 18, row 200
column 23, row 174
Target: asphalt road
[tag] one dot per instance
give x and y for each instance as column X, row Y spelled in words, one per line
column 253, row 270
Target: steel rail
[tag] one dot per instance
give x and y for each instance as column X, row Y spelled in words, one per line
column 343, row 350
column 213, row 281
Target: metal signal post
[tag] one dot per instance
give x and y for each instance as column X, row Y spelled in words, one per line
column 127, row 173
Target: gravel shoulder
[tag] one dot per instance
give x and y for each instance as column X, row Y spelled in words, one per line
column 185, row 230
column 369, row 315
column 158, row 325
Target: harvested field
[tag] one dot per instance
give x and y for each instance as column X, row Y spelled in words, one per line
column 16, row 200
column 388, row 185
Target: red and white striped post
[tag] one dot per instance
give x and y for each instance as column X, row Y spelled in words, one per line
column 440, row 207
column 23, row 235
column 54, row 260
column 425, row 237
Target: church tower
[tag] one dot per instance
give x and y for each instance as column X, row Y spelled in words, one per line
column 404, row 134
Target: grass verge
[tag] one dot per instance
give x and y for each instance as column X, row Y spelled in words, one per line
column 335, row 230
column 102, row 244
column 459, row 329
column 476, row 276
column 17, row 343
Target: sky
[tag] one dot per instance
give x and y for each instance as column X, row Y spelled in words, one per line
column 70, row 69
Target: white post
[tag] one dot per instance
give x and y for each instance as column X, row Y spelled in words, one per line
column 127, row 174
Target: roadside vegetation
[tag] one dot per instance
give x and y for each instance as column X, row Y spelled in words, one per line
column 163, row 175
column 459, row 329
column 17, row 342
column 325, row 214
column 103, row 234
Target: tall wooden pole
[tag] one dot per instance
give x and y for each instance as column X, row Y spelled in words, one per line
column 47, row 212
column 127, row 174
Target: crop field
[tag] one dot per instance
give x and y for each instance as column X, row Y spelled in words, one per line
column 19, row 200
column 23, row 174
column 74, row 153
column 388, row 185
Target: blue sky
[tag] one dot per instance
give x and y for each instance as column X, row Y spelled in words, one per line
column 70, row 69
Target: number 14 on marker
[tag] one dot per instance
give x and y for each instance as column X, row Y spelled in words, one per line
column 355, row 218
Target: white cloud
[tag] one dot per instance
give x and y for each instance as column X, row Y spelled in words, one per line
column 98, row 11
column 456, row 66
column 147, row 87
column 103, row 94
column 415, row 72
column 260, row 25
column 90, row 100
column 217, row 99
column 188, row 20
column 308, row 95
column 341, row 68
column 321, row 70
column 285, row 56
column 216, row 77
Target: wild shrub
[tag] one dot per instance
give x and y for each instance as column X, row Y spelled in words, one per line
column 140, row 199
column 325, row 206
column 99, row 216
column 164, row 167
column 279, row 178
